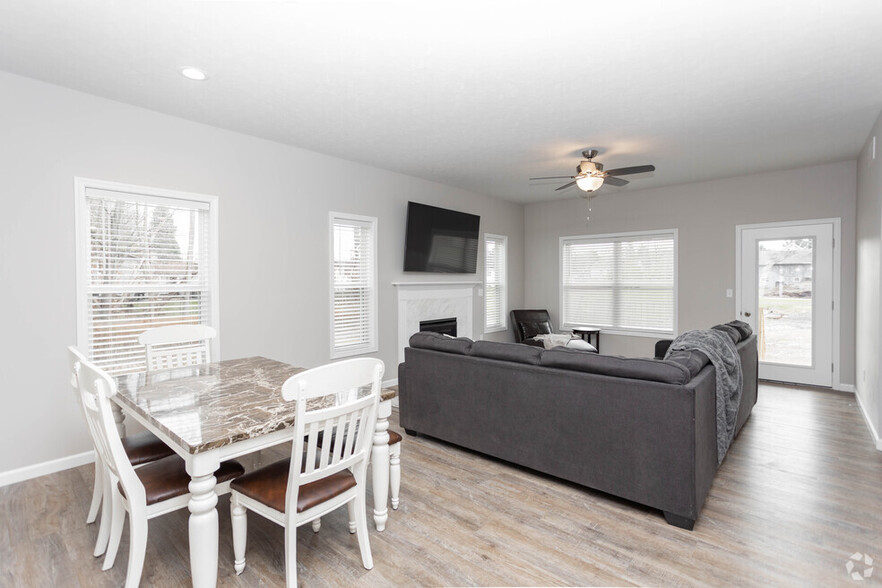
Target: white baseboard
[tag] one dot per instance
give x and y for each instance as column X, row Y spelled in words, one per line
column 844, row 388
column 47, row 467
column 869, row 422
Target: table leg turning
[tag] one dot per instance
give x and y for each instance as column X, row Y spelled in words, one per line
column 203, row 531
column 380, row 465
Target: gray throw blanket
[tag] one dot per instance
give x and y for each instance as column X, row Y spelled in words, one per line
column 720, row 349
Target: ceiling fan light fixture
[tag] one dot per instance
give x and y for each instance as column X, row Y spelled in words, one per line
column 193, row 73
column 589, row 183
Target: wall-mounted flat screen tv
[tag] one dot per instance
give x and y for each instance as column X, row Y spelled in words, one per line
column 440, row 240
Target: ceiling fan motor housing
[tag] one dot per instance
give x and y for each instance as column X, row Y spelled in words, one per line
column 589, row 168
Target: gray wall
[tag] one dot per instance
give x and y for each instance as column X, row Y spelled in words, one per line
column 706, row 214
column 274, row 203
column 869, row 278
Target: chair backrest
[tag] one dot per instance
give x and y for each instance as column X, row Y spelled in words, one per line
column 348, row 393
column 529, row 323
column 96, row 388
column 177, row 346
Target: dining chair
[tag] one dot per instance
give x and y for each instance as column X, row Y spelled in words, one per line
column 177, row 346
column 337, row 401
column 140, row 448
column 152, row 490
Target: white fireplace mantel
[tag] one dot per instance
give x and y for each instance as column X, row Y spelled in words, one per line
column 423, row 301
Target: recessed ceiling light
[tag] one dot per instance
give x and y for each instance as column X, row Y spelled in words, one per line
column 193, row 73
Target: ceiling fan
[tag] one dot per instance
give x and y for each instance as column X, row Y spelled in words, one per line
column 590, row 175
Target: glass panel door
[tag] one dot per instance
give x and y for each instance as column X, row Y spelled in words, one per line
column 786, row 295
column 784, row 316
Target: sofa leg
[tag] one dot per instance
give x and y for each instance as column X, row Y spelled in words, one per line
column 679, row 521
column 411, row 432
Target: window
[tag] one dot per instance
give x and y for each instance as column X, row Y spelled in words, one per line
column 354, row 284
column 623, row 282
column 494, row 282
column 145, row 258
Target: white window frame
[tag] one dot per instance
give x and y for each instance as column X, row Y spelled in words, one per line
column 606, row 237
column 372, row 346
column 502, row 241
column 149, row 195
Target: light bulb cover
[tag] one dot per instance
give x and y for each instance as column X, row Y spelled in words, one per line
column 193, row 73
column 589, row 183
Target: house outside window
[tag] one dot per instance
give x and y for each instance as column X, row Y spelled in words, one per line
column 495, row 287
column 622, row 283
column 353, row 284
column 146, row 258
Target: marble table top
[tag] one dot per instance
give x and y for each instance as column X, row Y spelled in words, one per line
column 207, row 406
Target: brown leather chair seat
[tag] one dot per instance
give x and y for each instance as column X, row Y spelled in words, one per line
column 167, row 478
column 269, row 485
column 144, row 448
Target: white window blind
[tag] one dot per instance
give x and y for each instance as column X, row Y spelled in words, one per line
column 354, row 284
column 494, row 281
column 625, row 282
column 144, row 261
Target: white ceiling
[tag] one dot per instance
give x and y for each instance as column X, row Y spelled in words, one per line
column 484, row 94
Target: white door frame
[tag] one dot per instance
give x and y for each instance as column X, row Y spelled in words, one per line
column 837, row 270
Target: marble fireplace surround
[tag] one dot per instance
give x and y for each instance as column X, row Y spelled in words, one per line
column 423, row 301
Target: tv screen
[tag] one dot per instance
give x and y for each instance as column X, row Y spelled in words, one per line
column 440, row 240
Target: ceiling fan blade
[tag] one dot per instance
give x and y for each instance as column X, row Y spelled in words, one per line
column 625, row 171
column 554, row 178
column 613, row 181
column 565, row 186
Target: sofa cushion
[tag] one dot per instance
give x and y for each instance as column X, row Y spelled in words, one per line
column 507, row 352
column 669, row 372
column 439, row 342
column 530, row 329
column 692, row 359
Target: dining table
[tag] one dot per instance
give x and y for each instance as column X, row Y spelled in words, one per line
column 214, row 412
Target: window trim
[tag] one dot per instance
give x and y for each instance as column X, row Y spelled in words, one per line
column 373, row 345
column 502, row 326
column 652, row 333
column 148, row 195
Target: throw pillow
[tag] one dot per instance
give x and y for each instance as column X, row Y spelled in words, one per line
column 580, row 345
column 530, row 329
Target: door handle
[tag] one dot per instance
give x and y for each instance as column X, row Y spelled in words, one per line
column 746, row 314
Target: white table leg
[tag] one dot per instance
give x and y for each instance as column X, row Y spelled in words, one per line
column 203, row 531
column 119, row 418
column 380, row 465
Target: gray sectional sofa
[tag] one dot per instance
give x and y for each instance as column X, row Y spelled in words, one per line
column 640, row 429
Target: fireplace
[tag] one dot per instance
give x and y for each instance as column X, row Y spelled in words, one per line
column 419, row 302
column 445, row 326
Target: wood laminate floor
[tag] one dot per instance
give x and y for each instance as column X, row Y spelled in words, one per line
column 799, row 492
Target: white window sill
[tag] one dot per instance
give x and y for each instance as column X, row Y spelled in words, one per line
column 341, row 353
column 495, row 330
column 625, row 332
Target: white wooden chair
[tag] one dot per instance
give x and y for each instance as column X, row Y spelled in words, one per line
column 177, row 346
column 141, row 448
column 152, row 490
column 331, row 475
